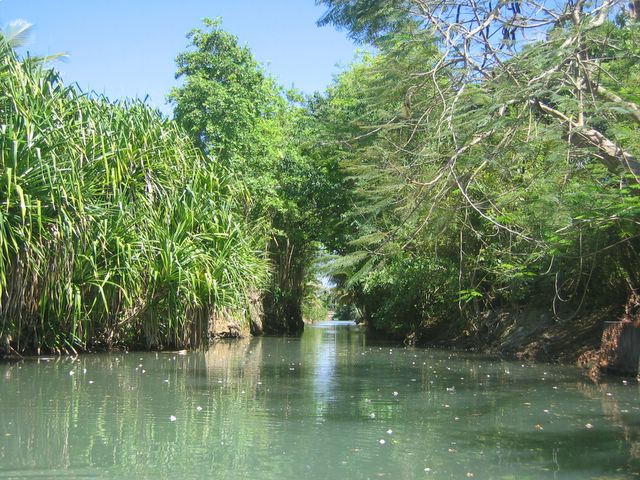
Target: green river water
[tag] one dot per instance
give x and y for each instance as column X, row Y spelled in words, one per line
column 329, row 405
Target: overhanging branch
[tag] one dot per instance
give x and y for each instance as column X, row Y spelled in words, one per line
column 614, row 157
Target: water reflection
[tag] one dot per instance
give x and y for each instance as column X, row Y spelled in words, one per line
column 327, row 405
column 325, row 363
column 620, row 412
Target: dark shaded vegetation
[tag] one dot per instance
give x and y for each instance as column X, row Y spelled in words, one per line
column 493, row 152
column 482, row 163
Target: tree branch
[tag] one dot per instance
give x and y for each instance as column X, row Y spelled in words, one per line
column 613, row 156
column 633, row 108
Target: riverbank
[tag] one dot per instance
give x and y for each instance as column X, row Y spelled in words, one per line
column 537, row 334
column 601, row 342
column 531, row 334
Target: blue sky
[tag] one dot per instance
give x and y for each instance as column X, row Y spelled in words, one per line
column 127, row 48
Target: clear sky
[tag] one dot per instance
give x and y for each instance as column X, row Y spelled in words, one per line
column 127, row 48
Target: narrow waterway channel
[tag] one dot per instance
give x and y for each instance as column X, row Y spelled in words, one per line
column 329, row 405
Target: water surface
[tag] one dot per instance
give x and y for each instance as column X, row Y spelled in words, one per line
column 328, row 405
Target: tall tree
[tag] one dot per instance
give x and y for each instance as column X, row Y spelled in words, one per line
column 475, row 153
column 237, row 113
column 478, row 39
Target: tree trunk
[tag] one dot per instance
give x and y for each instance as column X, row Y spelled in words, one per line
column 283, row 302
column 634, row 9
column 256, row 312
column 620, row 349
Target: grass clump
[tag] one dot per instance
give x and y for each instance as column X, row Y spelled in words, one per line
column 114, row 228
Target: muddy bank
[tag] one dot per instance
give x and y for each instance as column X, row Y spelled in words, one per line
column 532, row 333
column 538, row 334
column 603, row 341
column 210, row 329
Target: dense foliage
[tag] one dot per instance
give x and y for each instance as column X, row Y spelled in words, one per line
column 263, row 134
column 493, row 168
column 114, row 228
column 484, row 157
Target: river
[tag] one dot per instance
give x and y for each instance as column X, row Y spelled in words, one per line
column 328, row 405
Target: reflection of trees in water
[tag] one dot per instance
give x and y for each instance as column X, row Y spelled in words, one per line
column 622, row 418
column 339, row 380
column 235, row 361
column 262, row 397
column 121, row 422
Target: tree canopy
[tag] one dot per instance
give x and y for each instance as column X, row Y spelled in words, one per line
column 493, row 149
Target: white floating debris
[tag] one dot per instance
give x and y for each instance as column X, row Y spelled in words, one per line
column 84, row 370
column 389, row 432
column 372, row 415
column 451, row 389
column 172, row 418
column 382, row 441
column 395, row 394
column 91, row 382
column 589, row 426
column 199, row 408
column 166, row 380
column 72, row 372
column 427, row 469
column 144, row 371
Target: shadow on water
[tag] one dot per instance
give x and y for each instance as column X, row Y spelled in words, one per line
column 326, row 405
